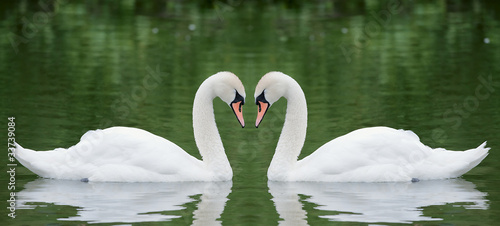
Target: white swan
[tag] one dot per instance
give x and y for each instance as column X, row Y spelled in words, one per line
column 124, row 154
column 375, row 154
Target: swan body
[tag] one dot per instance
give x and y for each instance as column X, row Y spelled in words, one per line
column 375, row 154
column 124, row 154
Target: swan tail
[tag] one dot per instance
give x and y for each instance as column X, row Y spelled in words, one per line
column 38, row 162
column 477, row 155
column 471, row 159
column 24, row 156
column 444, row 164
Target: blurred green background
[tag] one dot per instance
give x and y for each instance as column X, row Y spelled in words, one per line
column 71, row 66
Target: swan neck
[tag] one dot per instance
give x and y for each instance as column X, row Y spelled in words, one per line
column 292, row 135
column 206, row 134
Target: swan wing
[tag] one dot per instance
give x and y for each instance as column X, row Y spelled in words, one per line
column 115, row 154
column 378, row 154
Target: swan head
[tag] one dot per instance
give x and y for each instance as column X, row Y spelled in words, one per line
column 271, row 87
column 230, row 90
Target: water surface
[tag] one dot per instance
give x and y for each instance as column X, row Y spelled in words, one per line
column 431, row 67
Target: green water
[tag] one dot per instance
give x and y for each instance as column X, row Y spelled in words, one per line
column 428, row 66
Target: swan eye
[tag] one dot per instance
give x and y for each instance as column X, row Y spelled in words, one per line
column 238, row 98
column 261, row 98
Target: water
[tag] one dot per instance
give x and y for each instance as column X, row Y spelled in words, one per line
column 431, row 67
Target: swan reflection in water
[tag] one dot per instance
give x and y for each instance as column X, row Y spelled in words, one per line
column 128, row 202
column 373, row 202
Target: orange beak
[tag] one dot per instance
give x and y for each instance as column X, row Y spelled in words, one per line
column 263, row 106
column 236, row 106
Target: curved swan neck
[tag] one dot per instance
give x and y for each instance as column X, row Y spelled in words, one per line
column 206, row 134
column 293, row 134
